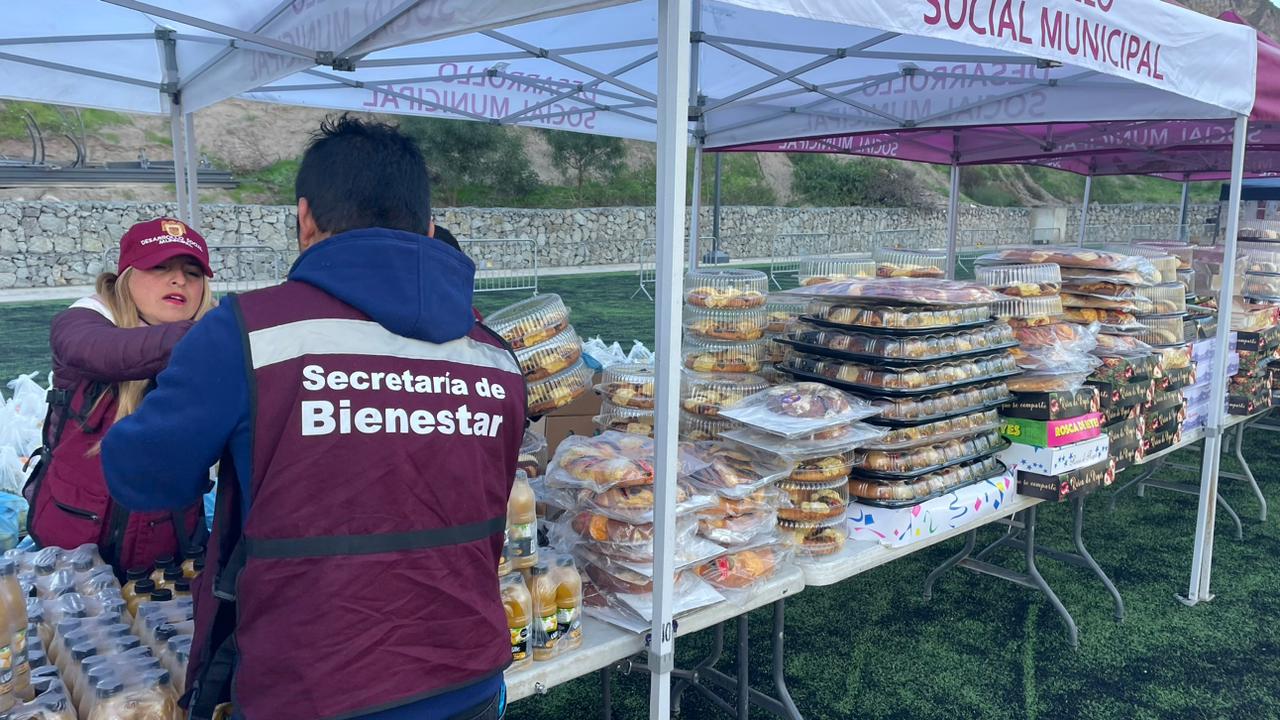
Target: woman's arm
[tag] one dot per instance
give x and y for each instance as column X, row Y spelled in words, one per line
column 90, row 345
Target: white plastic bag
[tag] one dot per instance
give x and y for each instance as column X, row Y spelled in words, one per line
column 639, row 353
column 11, row 475
column 604, row 355
column 28, row 397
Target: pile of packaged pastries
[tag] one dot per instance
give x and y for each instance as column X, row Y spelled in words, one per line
column 876, row 385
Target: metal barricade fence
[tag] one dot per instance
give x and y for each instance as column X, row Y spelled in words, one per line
column 236, row 268
column 647, row 267
column 787, row 249
column 503, row 264
column 1192, row 233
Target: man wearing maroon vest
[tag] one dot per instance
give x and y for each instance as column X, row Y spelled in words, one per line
column 368, row 428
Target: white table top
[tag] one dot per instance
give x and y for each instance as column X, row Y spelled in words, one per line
column 604, row 644
column 860, row 556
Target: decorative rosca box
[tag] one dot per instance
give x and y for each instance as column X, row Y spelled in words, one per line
column 1052, row 405
column 903, row 526
column 1064, row 485
column 1056, row 460
column 1052, row 433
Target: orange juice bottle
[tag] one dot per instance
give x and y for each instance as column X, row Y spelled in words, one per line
column 518, row 604
column 504, row 560
column 568, row 602
column 15, row 606
column 522, row 523
column 546, row 629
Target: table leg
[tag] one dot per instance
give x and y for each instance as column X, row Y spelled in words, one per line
column 970, row 539
column 779, row 673
column 1077, row 537
column 1011, row 533
column 1248, row 472
column 681, row 683
column 1137, row 480
column 606, row 693
column 1034, row 574
column 744, row 677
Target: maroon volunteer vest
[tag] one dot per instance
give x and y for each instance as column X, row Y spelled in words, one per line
column 381, row 470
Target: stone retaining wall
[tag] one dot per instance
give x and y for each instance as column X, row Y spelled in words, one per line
column 52, row 244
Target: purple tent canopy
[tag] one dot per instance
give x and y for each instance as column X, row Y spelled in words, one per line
column 1176, row 150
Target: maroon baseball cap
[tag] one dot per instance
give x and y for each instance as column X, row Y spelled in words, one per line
column 150, row 243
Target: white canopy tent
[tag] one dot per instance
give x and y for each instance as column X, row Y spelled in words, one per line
column 755, row 71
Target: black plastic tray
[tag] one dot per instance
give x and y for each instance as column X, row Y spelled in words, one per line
column 825, row 351
column 896, row 331
column 866, row 391
column 882, row 475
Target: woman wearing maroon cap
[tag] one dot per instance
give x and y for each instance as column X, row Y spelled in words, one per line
column 107, row 350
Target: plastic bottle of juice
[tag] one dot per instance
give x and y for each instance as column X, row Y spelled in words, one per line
column 162, row 564
column 141, row 593
column 522, row 521
column 15, row 608
column 182, row 588
column 546, row 629
column 189, row 563
column 9, row 616
column 519, row 606
column 504, row 560
column 171, row 576
column 568, row 602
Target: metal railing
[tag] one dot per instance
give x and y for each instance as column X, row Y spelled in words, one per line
column 236, row 268
column 503, row 264
column 646, row 267
column 787, row 249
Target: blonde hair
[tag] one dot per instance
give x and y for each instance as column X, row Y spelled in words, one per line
column 113, row 290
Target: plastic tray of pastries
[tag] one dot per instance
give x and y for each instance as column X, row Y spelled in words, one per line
column 1188, row 280
column 531, row 321
column 902, row 291
column 726, row 289
column 1164, row 262
column 1021, row 280
column 1055, row 335
column 929, row 433
column 1111, row 320
column 898, row 411
column 1181, row 251
column 1133, row 303
column 628, row 385
column 559, row 390
column 782, row 310
column 1167, row 298
column 633, row 421
column 814, row 501
column 814, row 538
column 822, row 468
column 1029, row 311
column 818, row 270
column 1260, row 257
column 921, row 460
column 1120, row 346
column 895, row 319
column 821, row 340
column 1161, row 331
column 1065, row 257
column 548, row 358
column 903, row 493
column 709, row 393
column 719, row 357
column 1262, row 287
column 776, row 349
column 901, row 262
column 725, row 325
column 880, row 379
column 697, row 428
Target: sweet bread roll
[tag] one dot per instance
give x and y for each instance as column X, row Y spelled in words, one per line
column 740, row 569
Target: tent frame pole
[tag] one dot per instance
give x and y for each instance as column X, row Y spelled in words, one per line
column 953, row 219
column 1084, row 209
column 695, row 209
column 177, row 136
column 1183, row 206
column 1202, row 555
column 193, row 170
column 674, row 21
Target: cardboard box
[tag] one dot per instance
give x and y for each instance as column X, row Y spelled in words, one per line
column 1197, row 394
column 1237, row 405
column 576, row 418
column 1177, row 379
column 1052, row 461
column 1162, row 440
column 1125, row 456
column 1125, row 432
column 1052, row 433
column 1120, row 413
column 1258, row 341
column 1063, row 485
column 1202, row 350
column 1253, row 363
column 903, row 526
column 1118, row 370
column 1124, row 394
column 1052, row 405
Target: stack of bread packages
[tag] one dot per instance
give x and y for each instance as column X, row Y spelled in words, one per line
column 548, row 350
column 96, row 650
column 725, row 347
column 811, row 431
column 601, row 490
column 627, row 394
column 1254, row 318
column 926, row 355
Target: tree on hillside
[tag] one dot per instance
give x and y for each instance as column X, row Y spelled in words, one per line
column 586, row 155
column 487, row 161
column 822, row 180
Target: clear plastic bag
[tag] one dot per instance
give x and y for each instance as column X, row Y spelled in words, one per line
column 801, row 448
column 737, row 573
column 602, row 462
column 734, row 470
column 800, row 409
column 634, row 503
column 1056, row 359
column 1068, row 257
column 914, row 291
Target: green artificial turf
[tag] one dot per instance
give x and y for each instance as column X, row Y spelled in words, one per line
column 871, row 648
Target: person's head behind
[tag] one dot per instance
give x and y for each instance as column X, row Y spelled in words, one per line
column 162, row 277
column 359, row 174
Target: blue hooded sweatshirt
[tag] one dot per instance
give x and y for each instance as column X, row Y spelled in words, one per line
column 159, row 457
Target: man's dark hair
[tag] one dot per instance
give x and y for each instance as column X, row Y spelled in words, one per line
column 360, row 174
column 446, row 237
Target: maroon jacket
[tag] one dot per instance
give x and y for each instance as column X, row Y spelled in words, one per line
column 70, row 504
